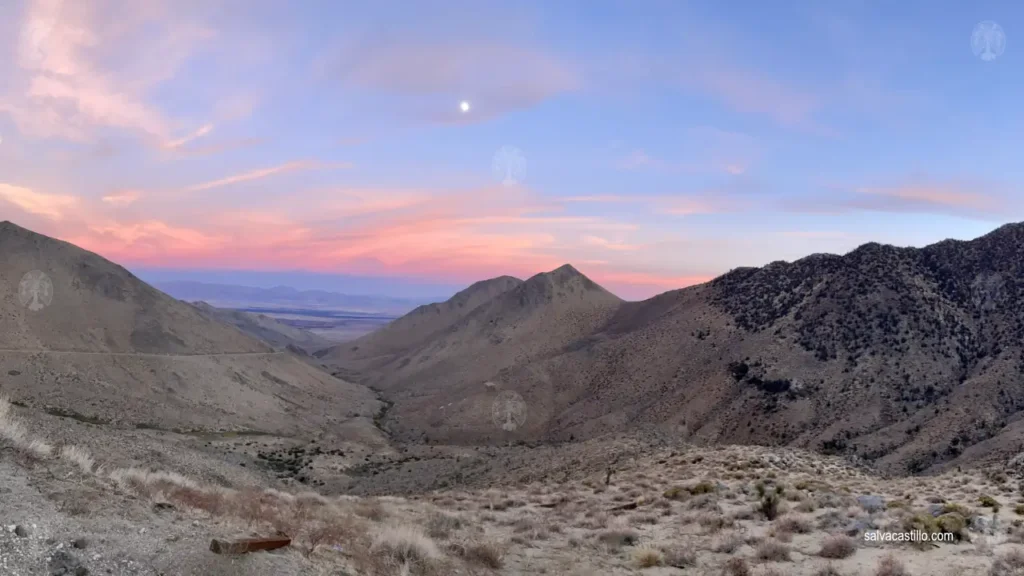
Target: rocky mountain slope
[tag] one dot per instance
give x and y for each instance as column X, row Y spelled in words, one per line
column 904, row 357
column 82, row 337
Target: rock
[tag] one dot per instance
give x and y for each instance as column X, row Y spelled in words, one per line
column 984, row 525
column 871, row 502
column 22, row 531
column 859, row 526
column 80, row 543
column 936, row 510
column 66, row 564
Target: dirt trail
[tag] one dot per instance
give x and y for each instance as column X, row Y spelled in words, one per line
column 136, row 354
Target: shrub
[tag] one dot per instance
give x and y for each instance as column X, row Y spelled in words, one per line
column 79, row 457
column 372, row 510
column 827, row 570
column 616, row 538
column 703, row 487
column 923, row 522
column 1019, row 509
column 838, row 547
column 989, row 502
column 487, row 554
column 648, row 557
column 404, row 545
column 736, row 567
column 957, row 509
column 954, row 524
column 794, row 524
column 680, row 558
column 675, row 493
column 769, row 506
column 441, row 525
column 728, row 544
column 1009, row 564
column 713, row 523
column 889, row 565
column 772, row 551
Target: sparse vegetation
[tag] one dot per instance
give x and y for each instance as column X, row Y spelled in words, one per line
column 838, row 547
column 889, row 565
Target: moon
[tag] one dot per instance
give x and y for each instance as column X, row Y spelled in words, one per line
column 464, row 106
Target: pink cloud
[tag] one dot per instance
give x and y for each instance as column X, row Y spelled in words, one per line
column 122, row 197
column 83, row 66
column 609, row 244
column 946, row 195
column 51, row 206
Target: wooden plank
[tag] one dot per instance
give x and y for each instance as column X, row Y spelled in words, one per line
column 247, row 545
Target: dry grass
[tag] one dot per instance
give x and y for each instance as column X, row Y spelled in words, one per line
column 488, row 554
column 1008, row 564
column 617, row 538
column 441, row 525
column 736, row 567
column 404, row 544
column 79, row 457
column 838, row 547
column 772, row 551
column 889, row 565
column 648, row 557
column 15, row 433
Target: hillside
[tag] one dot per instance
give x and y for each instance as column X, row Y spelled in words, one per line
column 84, row 338
column 452, row 376
column 416, row 327
column 904, row 357
column 278, row 335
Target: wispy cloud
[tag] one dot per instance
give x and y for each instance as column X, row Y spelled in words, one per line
column 122, row 197
column 202, row 131
column 915, row 195
column 675, row 204
column 51, row 206
column 609, row 244
column 496, row 77
column 69, row 86
column 262, row 173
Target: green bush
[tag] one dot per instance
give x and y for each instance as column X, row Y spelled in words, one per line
column 953, row 523
column 989, row 502
column 675, row 493
column 703, row 487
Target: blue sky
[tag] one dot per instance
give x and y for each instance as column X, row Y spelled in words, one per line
column 664, row 142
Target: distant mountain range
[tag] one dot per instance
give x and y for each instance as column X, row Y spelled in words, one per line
column 233, row 296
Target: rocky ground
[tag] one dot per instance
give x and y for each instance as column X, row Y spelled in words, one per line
column 621, row 507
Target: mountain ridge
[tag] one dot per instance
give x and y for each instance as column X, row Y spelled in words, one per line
column 874, row 353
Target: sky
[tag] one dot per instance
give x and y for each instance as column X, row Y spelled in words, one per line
column 651, row 144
